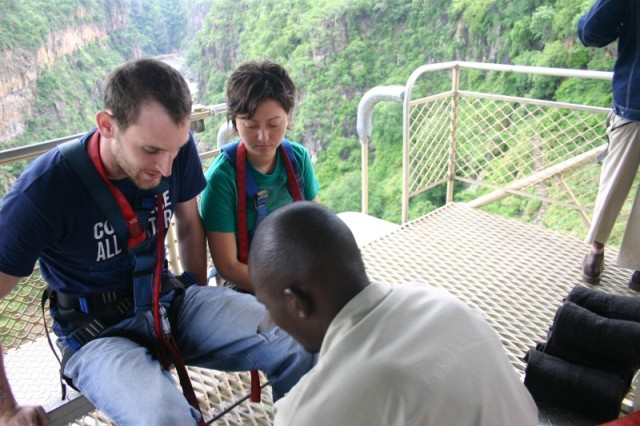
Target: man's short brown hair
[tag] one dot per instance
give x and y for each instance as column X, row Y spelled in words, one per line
column 146, row 80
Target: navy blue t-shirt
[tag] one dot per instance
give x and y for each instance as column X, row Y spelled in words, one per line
column 49, row 216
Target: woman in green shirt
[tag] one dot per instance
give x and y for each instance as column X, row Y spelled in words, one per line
column 260, row 100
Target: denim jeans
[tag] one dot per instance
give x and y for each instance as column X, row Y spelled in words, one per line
column 214, row 328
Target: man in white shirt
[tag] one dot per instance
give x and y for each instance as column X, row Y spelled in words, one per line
column 403, row 355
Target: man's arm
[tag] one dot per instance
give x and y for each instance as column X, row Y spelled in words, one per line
column 224, row 253
column 191, row 240
column 601, row 25
column 10, row 412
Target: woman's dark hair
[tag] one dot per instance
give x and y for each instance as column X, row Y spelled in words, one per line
column 255, row 82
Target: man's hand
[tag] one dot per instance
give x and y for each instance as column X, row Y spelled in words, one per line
column 28, row 415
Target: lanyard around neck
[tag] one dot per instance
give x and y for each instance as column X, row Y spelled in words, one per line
column 136, row 233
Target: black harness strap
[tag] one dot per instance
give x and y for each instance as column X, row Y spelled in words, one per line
column 48, row 294
column 91, row 326
column 90, row 303
column 75, row 154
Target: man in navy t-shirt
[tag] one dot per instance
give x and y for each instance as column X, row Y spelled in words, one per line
column 144, row 153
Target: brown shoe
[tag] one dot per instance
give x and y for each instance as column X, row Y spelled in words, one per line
column 634, row 282
column 592, row 267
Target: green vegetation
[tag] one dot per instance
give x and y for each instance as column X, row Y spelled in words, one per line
column 67, row 98
column 335, row 50
column 27, row 23
column 159, row 25
column 69, row 92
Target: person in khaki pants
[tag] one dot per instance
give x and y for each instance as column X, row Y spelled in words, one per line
column 607, row 21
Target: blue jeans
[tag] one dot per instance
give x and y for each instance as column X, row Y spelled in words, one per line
column 214, row 327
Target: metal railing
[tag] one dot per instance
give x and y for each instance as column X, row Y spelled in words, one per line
column 498, row 145
column 505, row 136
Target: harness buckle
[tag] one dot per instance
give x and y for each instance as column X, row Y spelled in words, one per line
column 262, row 198
column 84, row 305
column 164, row 322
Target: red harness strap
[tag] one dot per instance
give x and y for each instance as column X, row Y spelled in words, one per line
column 167, row 347
column 243, row 230
column 136, row 234
column 243, row 239
column 241, row 184
column 294, row 189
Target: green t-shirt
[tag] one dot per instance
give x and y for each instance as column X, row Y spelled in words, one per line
column 219, row 200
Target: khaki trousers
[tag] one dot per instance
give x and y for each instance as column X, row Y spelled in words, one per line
column 619, row 170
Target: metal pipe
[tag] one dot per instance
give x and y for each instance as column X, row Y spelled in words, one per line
column 224, row 134
column 369, row 101
column 523, row 69
column 553, row 72
column 364, row 128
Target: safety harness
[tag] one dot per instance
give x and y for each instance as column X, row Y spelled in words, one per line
column 147, row 264
column 236, row 155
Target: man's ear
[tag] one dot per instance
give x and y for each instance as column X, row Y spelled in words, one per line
column 106, row 124
column 298, row 302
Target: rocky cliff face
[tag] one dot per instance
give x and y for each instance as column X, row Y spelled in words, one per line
column 19, row 69
column 196, row 16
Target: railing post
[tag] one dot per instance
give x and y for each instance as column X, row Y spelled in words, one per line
column 174, row 260
column 225, row 134
column 364, row 187
column 455, row 87
column 406, row 142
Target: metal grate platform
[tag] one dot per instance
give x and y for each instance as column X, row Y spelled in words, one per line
column 515, row 274
column 33, row 372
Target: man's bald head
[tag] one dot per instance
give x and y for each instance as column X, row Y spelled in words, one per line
column 305, row 266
